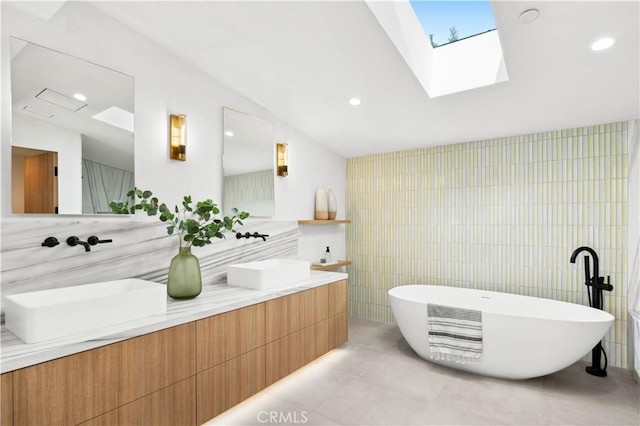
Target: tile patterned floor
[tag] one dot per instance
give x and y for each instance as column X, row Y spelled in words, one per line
column 376, row 379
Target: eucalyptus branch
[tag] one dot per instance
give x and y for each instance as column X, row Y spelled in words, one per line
column 195, row 225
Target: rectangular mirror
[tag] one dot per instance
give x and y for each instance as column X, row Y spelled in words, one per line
column 249, row 164
column 72, row 133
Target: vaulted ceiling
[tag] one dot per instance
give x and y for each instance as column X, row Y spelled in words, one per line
column 303, row 60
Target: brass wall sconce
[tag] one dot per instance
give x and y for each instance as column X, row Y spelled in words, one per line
column 282, row 156
column 178, row 137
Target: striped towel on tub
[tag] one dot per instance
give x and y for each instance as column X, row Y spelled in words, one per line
column 455, row 334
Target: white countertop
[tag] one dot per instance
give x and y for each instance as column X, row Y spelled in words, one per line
column 214, row 299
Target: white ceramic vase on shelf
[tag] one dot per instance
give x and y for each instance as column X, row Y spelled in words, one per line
column 331, row 204
column 322, row 208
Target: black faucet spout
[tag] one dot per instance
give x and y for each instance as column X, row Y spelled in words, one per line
column 74, row 241
column 594, row 256
column 597, row 284
column 258, row 235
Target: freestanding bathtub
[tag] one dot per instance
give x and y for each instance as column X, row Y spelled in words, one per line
column 523, row 336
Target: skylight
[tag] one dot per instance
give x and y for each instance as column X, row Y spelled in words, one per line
column 116, row 117
column 473, row 61
column 448, row 21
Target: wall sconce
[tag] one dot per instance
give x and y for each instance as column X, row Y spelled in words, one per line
column 178, row 137
column 282, row 158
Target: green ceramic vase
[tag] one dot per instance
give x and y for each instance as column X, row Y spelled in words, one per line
column 185, row 281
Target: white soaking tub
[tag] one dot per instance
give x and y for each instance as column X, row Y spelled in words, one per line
column 522, row 336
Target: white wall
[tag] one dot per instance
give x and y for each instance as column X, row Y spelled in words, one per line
column 405, row 31
column 36, row 134
column 467, row 64
column 164, row 85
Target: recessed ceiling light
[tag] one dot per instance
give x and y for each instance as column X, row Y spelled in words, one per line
column 355, row 101
column 228, row 133
column 602, row 43
column 80, row 97
column 528, row 16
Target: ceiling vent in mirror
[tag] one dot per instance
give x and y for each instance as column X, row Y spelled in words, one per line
column 60, row 100
column 38, row 112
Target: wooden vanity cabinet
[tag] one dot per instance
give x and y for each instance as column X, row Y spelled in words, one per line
column 288, row 314
column 183, row 375
column 6, row 399
column 222, row 337
column 338, row 314
column 230, row 359
column 77, row 388
column 304, row 326
column 174, row 405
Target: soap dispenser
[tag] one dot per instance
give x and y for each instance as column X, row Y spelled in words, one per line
column 327, row 255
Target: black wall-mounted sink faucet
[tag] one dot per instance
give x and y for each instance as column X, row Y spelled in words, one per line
column 250, row 235
column 74, row 241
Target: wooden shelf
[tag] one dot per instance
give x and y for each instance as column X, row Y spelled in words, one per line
column 322, row 222
column 331, row 266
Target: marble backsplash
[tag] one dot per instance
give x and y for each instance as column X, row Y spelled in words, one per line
column 140, row 249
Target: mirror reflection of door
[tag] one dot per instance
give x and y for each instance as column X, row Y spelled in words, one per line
column 36, row 172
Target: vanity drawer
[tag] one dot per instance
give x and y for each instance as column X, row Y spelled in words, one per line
column 174, row 405
column 222, row 337
column 76, row 388
column 227, row 384
column 288, row 314
column 291, row 352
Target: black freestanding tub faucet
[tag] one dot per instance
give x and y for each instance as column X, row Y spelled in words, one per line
column 597, row 283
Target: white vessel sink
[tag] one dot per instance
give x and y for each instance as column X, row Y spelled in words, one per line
column 268, row 274
column 49, row 314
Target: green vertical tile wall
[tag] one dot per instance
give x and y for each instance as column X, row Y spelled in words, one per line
column 502, row 214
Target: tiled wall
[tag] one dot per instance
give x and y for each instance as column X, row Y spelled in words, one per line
column 252, row 192
column 633, row 245
column 502, row 214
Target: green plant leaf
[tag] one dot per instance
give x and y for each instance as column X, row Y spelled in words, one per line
column 195, row 225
